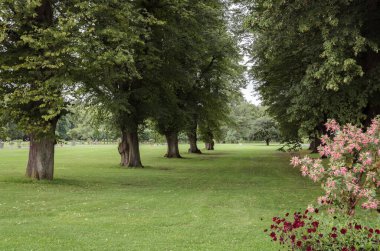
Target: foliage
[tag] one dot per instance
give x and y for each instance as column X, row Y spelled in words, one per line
column 353, row 172
column 291, row 145
column 195, row 79
column 36, row 55
column 313, row 61
column 113, row 55
column 265, row 128
column 9, row 130
column 310, row 231
column 239, row 124
column 85, row 123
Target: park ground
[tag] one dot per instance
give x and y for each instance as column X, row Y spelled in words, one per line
column 221, row 200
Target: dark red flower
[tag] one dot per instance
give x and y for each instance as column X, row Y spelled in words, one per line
column 377, row 231
column 311, row 230
column 287, row 214
column 343, row 231
column 344, row 249
column 315, row 224
column 321, row 235
column 273, row 234
column 370, row 235
column 334, row 235
column 334, row 229
column 309, row 248
column 358, row 227
column 371, row 230
column 316, row 210
column 287, row 226
column 299, row 243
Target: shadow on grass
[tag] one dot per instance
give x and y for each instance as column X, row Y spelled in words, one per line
column 55, row 182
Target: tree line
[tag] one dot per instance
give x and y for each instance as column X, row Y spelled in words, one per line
column 245, row 123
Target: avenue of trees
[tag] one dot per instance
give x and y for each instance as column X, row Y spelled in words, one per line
column 174, row 68
column 175, row 64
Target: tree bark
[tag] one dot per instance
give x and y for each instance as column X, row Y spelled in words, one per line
column 172, row 141
column 41, row 155
column 134, row 159
column 192, row 136
column 267, row 141
column 314, row 144
column 124, row 149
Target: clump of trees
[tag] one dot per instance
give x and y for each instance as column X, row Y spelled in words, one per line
column 248, row 122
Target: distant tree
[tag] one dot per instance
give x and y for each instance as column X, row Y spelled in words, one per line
column 265, row 128
column 240, row 120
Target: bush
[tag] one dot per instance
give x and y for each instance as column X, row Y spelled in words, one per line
column 353, row 173
column 310, row 231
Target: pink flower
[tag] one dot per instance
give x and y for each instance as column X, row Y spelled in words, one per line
column 370, row 205
column 332, row 126
column 295, row 161
column 343, row 170
column 310, row 208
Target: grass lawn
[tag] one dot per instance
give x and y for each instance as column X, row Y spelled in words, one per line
column 220, row 200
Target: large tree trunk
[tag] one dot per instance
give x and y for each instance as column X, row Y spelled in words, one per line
column 314, row 144
column 210, row 145
column 41, row 155
column 134, row 159
column 124, row 149
column 172, row 141
column 192, row 136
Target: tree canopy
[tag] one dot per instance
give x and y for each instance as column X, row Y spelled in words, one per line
column 316, row 60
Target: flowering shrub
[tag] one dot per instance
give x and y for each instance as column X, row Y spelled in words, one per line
column 307, row 231
column 353, row 172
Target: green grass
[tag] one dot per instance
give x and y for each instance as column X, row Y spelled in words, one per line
column 221, row 200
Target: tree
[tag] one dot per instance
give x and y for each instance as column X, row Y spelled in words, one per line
column 117, row 55
column 218, row 80
column 194, row 73
column 320, row 64
column 176, row 73
column 265, row 128
column 36, row 54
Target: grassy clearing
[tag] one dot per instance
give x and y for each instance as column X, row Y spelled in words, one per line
column 217, row 201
